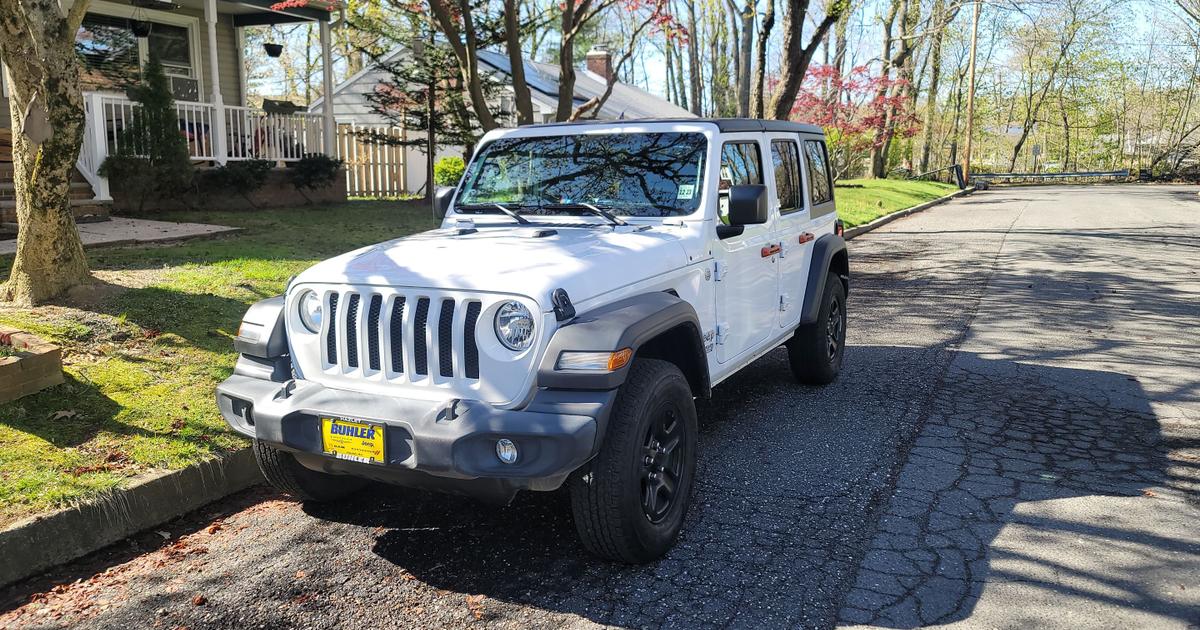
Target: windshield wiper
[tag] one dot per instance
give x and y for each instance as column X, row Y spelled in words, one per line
column 481, row 206
column 600, row 212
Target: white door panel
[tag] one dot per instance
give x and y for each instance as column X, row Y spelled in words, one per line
column 747, row 295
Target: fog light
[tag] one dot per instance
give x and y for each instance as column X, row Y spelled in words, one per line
column 506, row 451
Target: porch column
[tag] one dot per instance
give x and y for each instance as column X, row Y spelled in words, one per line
column 217, row 131
column 328, row 126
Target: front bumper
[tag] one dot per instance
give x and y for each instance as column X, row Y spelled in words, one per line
column 449, row 446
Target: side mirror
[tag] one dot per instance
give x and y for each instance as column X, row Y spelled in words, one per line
column 441, row 201
column 748, row 205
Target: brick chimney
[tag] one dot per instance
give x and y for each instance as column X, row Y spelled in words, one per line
column 600, row 61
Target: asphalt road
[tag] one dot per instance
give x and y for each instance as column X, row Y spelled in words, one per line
column 1014, row 442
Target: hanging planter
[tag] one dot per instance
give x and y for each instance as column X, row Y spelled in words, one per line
column 273, row 50
column 141, row 28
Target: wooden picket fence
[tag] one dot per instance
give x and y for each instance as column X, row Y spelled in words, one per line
column 373, row 169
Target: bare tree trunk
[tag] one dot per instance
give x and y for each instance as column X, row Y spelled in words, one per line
column 735, row 40
column 566, row 64
column 512, row 42
column 796, row 54
column 877, row 156
column 468, row 61
column 680, row 84
column 937, row 21
column 695, row 81
column 744, row 51
column 38, row 44
column 760, row 62
column 671, row 95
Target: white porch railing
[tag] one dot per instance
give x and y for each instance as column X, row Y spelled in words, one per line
column 254, row 133
column 250, row 134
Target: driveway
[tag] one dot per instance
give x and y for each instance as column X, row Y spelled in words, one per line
column 1014, row 442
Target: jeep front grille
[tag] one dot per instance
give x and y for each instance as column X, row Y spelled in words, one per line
column 385, row 337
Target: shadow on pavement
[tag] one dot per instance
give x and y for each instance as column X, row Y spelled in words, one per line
column 1004, row 444
column 997, row 434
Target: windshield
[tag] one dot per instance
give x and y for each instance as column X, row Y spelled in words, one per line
column 625, row 174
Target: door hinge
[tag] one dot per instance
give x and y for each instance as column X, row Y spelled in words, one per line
column 719, row 268
column 784, row 302
column 722, row 331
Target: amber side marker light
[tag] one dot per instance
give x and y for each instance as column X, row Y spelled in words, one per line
column 594, row 361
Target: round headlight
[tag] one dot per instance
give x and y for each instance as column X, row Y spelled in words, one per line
column 311, row 311
column 514, row 326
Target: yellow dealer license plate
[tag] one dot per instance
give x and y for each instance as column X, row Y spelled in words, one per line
column 355, row 441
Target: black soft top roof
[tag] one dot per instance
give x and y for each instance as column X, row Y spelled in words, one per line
column 727, row 125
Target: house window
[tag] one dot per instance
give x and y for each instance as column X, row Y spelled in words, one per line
column 113, row 57
column 108, row 50
column 173, row 48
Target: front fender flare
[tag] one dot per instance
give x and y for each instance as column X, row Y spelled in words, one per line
column 627, row 323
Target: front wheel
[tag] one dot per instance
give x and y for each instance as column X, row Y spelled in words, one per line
column 630, row 501
column 815, row 351
column 290, row 477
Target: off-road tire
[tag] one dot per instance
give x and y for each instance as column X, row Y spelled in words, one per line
column 809, row 352
column 287, row 475
column 608, row 495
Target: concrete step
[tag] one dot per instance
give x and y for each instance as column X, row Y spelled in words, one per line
column 85, row 210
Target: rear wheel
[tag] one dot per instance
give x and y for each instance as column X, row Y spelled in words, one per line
column 815, row 351
column 287, row 475
column 630, row 501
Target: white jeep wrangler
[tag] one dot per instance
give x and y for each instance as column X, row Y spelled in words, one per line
column 589, row 281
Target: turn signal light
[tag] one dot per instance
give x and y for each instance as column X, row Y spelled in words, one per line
column 619, row 359
column 594, row 361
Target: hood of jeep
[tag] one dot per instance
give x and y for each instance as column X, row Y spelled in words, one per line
column 530, row 261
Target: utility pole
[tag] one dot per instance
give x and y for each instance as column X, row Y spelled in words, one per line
column 971, row 94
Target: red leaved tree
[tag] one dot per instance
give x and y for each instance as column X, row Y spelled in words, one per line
column 858, row 110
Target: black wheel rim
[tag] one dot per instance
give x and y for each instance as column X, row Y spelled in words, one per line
column 834, row 329
column 662, row 465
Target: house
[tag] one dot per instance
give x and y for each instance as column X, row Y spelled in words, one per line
column 200, row 44
column 352, row 108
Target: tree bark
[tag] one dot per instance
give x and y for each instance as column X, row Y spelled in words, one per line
column 745, row 48
column 680, row 84
column 38, row 44
column 757, row 95
column 468, row 62
column 694, row 79
column 512, row 42
column 876, row 158
column 797, row 55
column 938, row 21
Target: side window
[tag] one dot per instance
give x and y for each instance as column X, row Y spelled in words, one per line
column 819, row 183
column 786, row 159
column 741, row 164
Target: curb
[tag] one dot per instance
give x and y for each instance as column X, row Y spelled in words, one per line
column 888, row 218
column 32, row 545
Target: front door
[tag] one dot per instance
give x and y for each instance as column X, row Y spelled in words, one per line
column 747, row 272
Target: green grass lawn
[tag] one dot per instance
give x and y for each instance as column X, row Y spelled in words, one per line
column 861, row 201
column 144, row 349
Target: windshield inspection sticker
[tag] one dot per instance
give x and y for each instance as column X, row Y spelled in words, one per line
column 686, row 191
